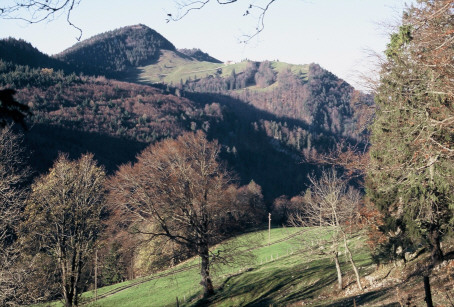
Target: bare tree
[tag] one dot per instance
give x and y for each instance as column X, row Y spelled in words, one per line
column 351, row 158
column 176, row 191
column 13, row 174
column 331, row 203
column 63, row 219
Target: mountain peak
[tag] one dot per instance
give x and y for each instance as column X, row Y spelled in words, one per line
column 116, row 51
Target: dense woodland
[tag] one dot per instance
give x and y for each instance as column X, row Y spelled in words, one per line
column 149, row 175
column 322, row 102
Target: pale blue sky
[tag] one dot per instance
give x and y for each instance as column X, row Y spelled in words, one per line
column 334, row 33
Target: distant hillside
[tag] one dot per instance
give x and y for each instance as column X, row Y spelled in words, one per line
column 116, row 51
column 20, row 52
column 308, row 93
column 199, row 55
column 321, row 101
column 116, row 120
column 268, row 116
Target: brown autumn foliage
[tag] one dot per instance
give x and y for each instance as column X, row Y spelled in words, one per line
column 177, row 192
column 350, row 158
column 127, row 110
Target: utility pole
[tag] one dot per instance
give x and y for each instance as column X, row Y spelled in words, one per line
column 269, row 228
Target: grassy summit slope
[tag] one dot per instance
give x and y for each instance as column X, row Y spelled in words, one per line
column 174, row 67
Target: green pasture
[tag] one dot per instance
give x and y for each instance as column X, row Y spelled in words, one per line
column 173, row 68
column 291, row 267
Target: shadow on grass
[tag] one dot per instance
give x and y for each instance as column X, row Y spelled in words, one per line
column 273, row 286
column 364, row 299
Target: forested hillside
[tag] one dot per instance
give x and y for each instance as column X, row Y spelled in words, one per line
column 115, row 120
column 268, row 116
column 21, row 52
column 323, row 103
column 116, row 51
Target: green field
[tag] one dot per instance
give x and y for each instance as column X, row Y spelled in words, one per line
column 290, row 268
column 172, row 68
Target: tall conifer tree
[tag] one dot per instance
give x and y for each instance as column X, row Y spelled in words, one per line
column 411, row 177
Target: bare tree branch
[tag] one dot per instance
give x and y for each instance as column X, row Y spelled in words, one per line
column 185, row 7
column 36, row 11
column 330, row 203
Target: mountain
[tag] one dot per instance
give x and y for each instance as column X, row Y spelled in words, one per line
column 116, row 120
column 116, row 51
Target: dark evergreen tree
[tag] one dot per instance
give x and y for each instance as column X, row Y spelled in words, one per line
column 411, row 177
column 11, row 110
column 113, row 267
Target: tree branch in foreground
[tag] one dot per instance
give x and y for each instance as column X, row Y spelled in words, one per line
column 185, row 7
column 36, row 11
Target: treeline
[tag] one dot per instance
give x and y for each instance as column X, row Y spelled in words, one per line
column 198, row 55
column 21, row 76
column 21, row 52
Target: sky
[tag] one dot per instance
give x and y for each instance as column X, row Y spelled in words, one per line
column 340, row 35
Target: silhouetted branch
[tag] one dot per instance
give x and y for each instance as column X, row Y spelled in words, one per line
column 260, row 21
column 35, row 11
column 187, row 6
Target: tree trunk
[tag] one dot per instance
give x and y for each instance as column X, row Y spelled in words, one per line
column 350, row 258
column 434, row 237
column 68, row 299
column 428, row 298
column 338, row 269
column 205, row 271
column 66, row 289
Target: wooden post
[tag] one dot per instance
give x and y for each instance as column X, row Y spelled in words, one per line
column 132, row 267
column 96, row 274
column 269, row 228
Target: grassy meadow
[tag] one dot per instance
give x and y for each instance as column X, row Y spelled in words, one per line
column 291, row 268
